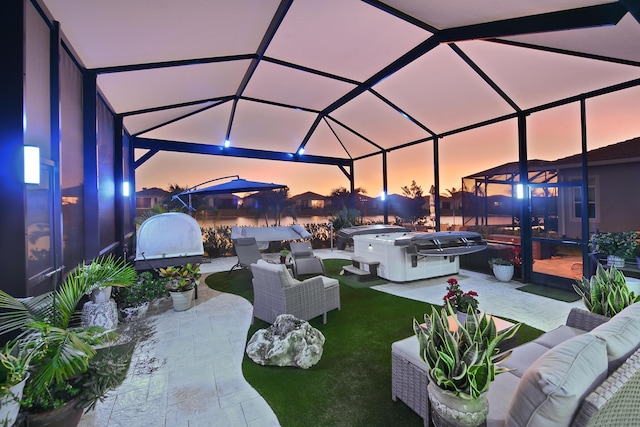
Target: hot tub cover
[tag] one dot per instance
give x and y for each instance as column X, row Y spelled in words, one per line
column 169, row 235
column 264, row 235
column 346, row 234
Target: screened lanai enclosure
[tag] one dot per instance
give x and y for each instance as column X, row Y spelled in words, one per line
column 353, row 93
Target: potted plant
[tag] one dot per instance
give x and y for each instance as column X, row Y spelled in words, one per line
column 103, row 273
column 636, row 253
column 503, row 269
column 616, row 246
column 14, row 371
column 64, row 354
column 461, row 365
column 459, row 301
column 283, row 256
column 133, row 301
column 606, row 292
column 180, row 282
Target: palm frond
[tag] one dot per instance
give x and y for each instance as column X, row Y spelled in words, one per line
column 63, row 353
column 16, row 314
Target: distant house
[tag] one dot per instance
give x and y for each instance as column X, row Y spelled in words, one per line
column 222, row 201
column 367, row 205
column 403, row 206
column 308, row 200
column 147, row 198
column 613, row 192
column 249, row 202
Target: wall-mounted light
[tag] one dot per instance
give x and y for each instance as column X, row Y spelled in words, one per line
column 31, row 164
column 383, row 196
column 125, row 189
column 227, row 143
column 519, row 191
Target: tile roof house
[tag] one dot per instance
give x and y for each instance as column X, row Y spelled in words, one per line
column 308, row 200
column 147, row 198
column 614, row 171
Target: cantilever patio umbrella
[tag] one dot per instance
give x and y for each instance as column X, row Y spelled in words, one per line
column 237, row 185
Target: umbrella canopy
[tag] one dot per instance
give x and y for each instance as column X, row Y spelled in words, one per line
column 237, row 185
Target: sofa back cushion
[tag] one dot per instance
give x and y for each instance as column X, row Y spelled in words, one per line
column 281, row 270
column 621, row 334
column 553, row 387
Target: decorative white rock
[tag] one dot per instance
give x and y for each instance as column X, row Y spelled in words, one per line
column 133, row 313
column 288, row 342
column 104, row 314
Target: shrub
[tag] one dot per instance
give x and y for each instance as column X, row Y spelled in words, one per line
column 621, row 244
column 146, row 289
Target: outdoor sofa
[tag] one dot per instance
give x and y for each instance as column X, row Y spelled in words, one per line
column 586, row 372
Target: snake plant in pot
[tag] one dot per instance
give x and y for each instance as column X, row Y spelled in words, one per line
column 461, row 364
column 605, row 293
column 67, row 373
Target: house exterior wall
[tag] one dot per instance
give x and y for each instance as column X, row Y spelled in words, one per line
column 617, row 199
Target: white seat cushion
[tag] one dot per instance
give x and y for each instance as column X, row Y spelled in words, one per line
column 409, row 349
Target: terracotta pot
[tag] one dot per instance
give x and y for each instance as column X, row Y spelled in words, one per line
column 462, row 316
column 64, row 416
column 448, row 410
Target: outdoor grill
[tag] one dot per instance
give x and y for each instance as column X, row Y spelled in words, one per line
column 168, row 239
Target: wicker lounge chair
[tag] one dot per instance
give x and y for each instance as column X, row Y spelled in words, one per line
column 276, row 292
column 304, row 261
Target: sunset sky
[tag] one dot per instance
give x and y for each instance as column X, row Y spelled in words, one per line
column 348, row 78
column 552, row 134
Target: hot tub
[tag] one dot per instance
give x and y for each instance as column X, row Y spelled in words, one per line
column 411, row 256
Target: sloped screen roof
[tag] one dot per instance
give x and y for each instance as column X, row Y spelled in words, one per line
column 343, row 78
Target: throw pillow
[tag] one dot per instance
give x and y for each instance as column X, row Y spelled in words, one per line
column 552, row 389
column 621, row 335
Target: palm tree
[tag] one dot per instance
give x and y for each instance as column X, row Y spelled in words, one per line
column 275, row 202
column 340, row 197
column 415, row 193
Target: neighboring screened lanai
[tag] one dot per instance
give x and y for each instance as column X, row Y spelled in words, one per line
column 350, row 91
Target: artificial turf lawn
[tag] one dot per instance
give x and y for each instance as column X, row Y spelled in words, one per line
column 351, row 385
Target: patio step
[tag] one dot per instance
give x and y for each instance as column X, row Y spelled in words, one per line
column 362, row 274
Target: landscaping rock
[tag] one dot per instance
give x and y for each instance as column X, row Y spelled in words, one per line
column 288, row 342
